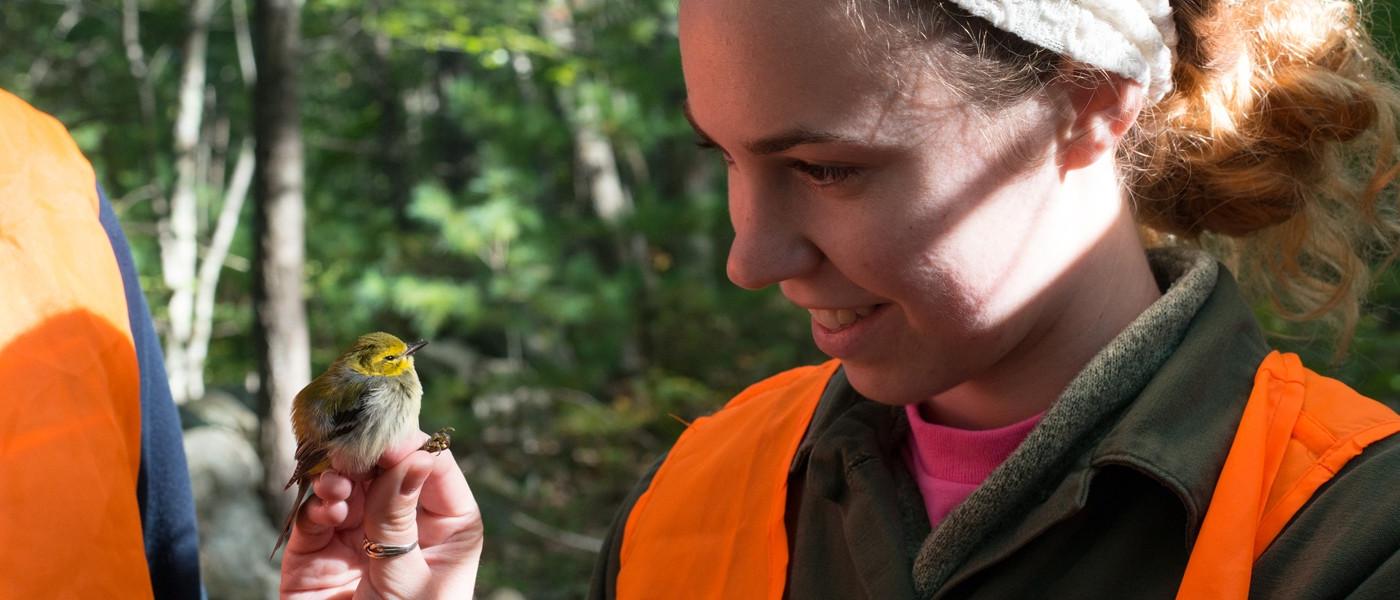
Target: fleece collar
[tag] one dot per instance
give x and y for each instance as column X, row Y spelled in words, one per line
column 1180, row 427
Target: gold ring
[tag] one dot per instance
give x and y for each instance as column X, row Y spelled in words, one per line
column 375, row 549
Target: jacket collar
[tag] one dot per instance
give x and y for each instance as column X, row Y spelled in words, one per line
column 1182, row 424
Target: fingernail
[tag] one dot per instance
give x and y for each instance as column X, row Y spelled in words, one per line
column 413, row 480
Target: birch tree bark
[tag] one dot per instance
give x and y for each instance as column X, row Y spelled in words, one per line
column 207, row 282
column 179, row 227
column 279, row 215
column 593, row 150
column 234, row 197
column 597, row 164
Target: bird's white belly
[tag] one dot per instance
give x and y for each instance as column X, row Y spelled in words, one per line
column 391, row 412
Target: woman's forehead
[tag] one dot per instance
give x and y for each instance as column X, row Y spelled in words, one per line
column 754, row 66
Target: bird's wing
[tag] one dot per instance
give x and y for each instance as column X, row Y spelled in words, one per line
column 311, row 459
column 321, row 412
column 345, row 420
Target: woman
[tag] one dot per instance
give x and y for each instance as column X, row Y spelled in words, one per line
column 1025, row 402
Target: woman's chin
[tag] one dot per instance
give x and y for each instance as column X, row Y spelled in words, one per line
column 887, row 385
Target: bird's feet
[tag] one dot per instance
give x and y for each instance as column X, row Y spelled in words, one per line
column 439, row 441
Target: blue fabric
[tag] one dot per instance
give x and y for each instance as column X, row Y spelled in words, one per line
column 163, row 486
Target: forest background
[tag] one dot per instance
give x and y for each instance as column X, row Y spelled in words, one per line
column 512, row 180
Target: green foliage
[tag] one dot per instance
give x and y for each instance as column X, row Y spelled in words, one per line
column 1369, row 364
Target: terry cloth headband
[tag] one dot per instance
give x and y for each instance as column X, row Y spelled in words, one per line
column 1133, row 38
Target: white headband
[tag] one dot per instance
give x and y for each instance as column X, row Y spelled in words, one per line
column 1133, row 38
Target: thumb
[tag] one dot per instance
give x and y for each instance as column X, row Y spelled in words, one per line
column 391, row 517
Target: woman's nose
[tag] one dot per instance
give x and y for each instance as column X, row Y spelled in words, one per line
column 770, row 245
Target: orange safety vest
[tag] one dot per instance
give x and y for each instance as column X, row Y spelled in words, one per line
column 711, row 523
column 70, row 406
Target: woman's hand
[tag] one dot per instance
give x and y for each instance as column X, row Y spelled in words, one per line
column 418, row 497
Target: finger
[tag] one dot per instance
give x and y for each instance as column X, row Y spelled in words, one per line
column 356, row 502
column 449, row 510
column 450, row 524
column 352, row 532
column 446, row 492
column 332, row 486
column 391, row 512
column 318, row 562
column 326, row 513
column 402, row 448
column 307, row 534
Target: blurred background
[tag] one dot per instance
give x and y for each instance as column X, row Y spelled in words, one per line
column 512, row 180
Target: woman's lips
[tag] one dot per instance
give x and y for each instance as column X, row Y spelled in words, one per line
column 848, row 333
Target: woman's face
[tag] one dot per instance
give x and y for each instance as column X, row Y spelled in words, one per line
column 897, row 215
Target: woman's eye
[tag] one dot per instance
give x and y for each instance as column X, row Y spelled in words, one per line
column 824, row 175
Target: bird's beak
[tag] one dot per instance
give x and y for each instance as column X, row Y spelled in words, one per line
column 414, row 347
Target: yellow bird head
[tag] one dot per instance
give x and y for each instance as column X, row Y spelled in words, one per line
column 381, row 354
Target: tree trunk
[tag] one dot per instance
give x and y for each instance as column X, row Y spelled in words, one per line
column 593, row 149
column 179, row 228
column 234, row 196
column 597, row 164
column 213, row 265
column 280, row 331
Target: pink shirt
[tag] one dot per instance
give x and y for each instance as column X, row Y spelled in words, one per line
column 948, row 463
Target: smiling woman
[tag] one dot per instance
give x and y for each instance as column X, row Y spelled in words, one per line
column 927, row 183
column 1024, row 399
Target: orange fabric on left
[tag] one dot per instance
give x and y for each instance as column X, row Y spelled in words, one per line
column 680, row 543
column 1298, row 430
column 70, row 407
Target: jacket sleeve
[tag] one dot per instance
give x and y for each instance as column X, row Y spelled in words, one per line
column 1346, row 541
column 1383, row 582
column 163, row 483
column 604, row 584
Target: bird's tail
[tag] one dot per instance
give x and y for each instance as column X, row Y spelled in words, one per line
column 302, row 487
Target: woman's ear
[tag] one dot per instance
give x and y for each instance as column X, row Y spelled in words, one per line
column 1103, row 106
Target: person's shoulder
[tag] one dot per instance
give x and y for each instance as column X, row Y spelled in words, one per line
column 39, row 131
column 1346, row 540
column 1373, row 474
column 14, row 108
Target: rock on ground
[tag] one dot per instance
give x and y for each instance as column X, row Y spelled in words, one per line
column 234, row 533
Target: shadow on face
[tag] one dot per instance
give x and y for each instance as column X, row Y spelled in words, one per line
column 853, row 189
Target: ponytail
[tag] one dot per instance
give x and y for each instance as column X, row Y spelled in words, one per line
column 1275, row 150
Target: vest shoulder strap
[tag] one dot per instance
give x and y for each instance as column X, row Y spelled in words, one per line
column 1298, row 430
column 71, row 451
column 710, row 525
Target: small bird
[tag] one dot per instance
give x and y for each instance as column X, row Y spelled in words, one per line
column 363, row 403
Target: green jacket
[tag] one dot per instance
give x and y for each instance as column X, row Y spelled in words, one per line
column 1102, row 500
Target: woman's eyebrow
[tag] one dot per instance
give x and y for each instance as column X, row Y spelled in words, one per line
column 775, row 143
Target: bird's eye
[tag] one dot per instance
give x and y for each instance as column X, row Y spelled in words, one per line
column 391, row 357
